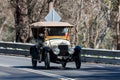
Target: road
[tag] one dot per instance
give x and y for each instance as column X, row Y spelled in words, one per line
column 19, row 68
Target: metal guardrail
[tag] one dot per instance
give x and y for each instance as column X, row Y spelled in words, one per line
column 15, row 48
column 88, row 55
column 101, row 56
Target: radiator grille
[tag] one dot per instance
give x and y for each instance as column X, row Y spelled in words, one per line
column 63, row 50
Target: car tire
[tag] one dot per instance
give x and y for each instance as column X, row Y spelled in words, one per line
column 34, row 63
column 47, row 60
column 64, row 64
column 78, row 61
column 34, row 59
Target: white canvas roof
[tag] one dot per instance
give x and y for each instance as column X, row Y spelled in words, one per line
column 51, row 24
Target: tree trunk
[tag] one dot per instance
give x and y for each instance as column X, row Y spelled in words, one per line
column 21, row 21
column 51, row 4
column 118, row 29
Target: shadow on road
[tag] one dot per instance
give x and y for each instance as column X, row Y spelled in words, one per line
column 43, row 68
column 87, row 73
column 91, row 73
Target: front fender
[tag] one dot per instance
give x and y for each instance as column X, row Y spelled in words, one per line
column 32, row 48
column 33, row 52
column 77, row 49
column 46, row 48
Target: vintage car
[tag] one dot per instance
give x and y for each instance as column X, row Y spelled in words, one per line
column 53, row 44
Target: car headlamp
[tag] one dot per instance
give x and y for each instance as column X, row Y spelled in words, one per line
column 71, row 50
column 45, row 43
column 56, row 51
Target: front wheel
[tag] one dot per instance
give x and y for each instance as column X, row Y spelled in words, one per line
column 78, row 61
column 64, row 64
column 33, row 53
column 34, row 63
column 47, row 60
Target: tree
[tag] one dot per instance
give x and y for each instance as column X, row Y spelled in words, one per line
column 92, row 19
column 116, row 24
column 21, row 21
column 6, row 22
column 22, row 12
column 25, row 13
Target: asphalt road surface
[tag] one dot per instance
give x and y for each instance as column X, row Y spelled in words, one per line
column 19, row 68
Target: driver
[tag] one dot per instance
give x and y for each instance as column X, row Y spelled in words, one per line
column 41, row 37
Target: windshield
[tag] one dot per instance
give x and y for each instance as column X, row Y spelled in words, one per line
column 57, row 31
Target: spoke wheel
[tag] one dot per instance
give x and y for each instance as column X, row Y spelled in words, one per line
column 47, row 60
column 64, row 64
column 34, row 63
column 78, row 61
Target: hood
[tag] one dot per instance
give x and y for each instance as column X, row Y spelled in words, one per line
column 56, row 42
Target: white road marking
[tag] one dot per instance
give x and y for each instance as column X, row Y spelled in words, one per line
column 19, row 57
column 100, row 66
column 46, row 74
column 41, row 73
column 5, row 65
column 4, row 74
